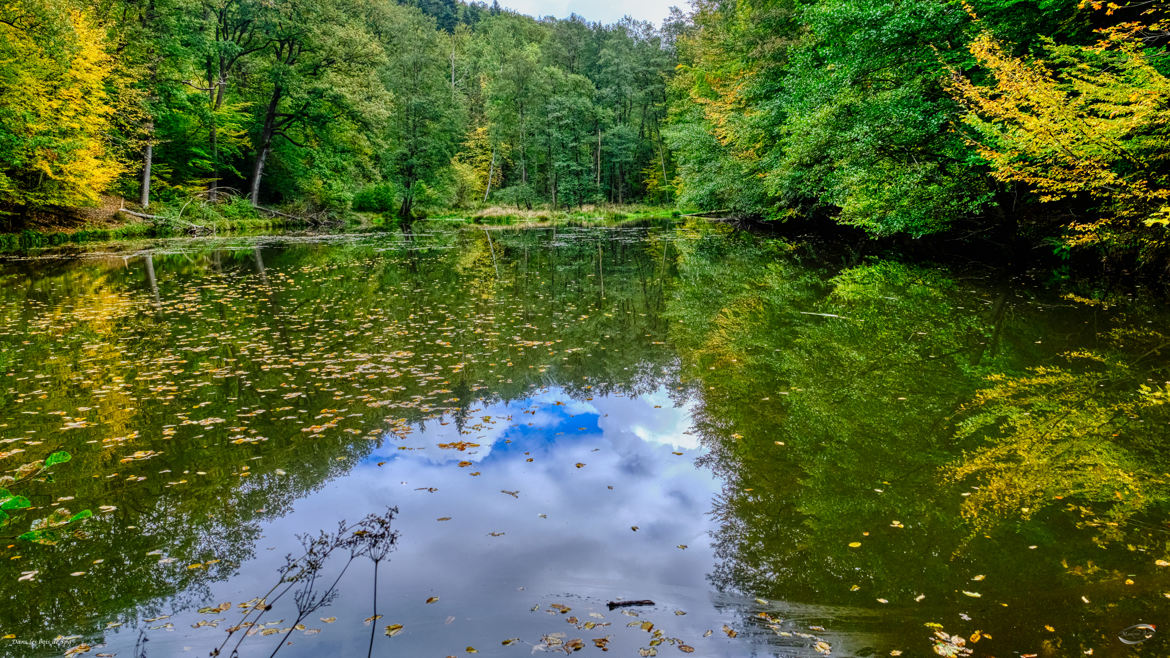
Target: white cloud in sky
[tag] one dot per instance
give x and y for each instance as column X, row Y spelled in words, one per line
column 603, row 11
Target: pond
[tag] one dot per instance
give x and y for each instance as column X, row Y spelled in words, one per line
column 789, row 449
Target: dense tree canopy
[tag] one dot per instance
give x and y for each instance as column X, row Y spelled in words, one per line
column 920, row 117
column 1041, row 119
column 373, row 103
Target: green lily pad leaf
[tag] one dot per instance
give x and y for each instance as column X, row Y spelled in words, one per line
column 59, row 457
column 14, row 502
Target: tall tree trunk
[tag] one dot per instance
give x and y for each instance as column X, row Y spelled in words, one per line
column 599, row 156
column 147, row 161
column 491, row 173
column 407, row 207
column 265, row 145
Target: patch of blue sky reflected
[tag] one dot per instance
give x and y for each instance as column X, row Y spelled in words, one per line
column 542, row 420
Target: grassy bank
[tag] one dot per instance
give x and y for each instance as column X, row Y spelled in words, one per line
column 509, row 216
column 115, row 222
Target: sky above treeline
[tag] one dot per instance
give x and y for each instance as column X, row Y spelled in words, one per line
column 603, row 11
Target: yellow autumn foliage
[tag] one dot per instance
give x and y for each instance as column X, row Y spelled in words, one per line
column 1092, row 121
column 55, row 107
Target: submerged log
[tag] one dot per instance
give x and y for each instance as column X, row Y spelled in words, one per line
column 624, row 604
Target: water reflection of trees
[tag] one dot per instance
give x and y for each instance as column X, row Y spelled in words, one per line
column 865, row 456
column 211, row 394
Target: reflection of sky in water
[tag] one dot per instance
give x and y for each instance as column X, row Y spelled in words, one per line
column 566, row 539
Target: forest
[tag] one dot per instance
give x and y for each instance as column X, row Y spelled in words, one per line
column 1037, row 122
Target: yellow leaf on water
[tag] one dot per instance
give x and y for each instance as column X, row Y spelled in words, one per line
column 432, row 599
column 854, row 544
column 329, row 620
column 393, row 629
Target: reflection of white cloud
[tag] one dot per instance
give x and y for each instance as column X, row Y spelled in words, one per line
column 667, row 425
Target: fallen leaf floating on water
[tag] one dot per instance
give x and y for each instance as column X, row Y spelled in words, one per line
column 686, row 648
column 393, row 629
column 580, row 465
column 973, row 595
column 510, row 641
column 471, row 650
column 854, row 544
column 371, row 618
column 329, row 620
column 443, row 518
column 730, row 631
column 514, row 494
column 432, row 599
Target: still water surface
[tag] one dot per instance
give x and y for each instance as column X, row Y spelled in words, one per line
column 791, row 451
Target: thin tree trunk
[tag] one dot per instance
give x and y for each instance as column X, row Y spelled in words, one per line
column 404, row 212
column 147, row 161
column 598, row 156
column 491, row 174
